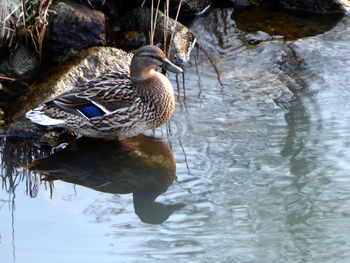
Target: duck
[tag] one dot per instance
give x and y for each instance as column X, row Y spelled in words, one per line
column 118, row 104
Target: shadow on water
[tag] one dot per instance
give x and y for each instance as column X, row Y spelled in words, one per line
column 142, row 165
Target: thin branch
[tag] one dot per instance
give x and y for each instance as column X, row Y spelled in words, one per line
column 5, row 77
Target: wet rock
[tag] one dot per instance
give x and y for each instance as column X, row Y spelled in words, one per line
column 319, row 6
column 20, row 64
column 257, row 37
column 1, row 117
column 251, row 76
column 82, row 67
column 277, row 23
column 73, row 28
column 43, row 136
column 139, row 19
column 23, row 128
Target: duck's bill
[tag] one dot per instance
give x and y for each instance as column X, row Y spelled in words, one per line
column 172, row 67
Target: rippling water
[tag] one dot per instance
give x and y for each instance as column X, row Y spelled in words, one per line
column 261, row 142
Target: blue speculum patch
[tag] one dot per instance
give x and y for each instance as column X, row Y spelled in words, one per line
column 92, row 111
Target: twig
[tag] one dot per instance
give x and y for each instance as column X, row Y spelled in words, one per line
column 5, row 77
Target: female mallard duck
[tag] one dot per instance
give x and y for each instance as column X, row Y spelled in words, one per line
column 115, row 104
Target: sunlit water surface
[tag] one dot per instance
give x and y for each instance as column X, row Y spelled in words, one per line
column 261, row 139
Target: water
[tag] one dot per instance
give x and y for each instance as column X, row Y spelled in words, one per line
column 260, row 137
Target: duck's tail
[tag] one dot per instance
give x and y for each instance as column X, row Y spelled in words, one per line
column 39, row 116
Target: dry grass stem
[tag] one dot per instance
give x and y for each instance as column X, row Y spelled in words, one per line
column 174, row 27
column 27, row 20
column 154, row 22
column 166, row 24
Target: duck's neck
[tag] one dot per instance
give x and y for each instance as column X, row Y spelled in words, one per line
column 152, row 81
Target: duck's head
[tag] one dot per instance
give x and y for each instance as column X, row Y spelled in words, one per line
column 147, row 59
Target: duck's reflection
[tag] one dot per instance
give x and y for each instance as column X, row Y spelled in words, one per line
column 140, row 165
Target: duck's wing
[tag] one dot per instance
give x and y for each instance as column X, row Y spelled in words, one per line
column 98, row 97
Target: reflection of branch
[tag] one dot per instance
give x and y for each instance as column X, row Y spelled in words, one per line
column 214, row 66
column 183, row 150
column 13, row 228
column 168, row 134
column 198, row 75
column 14, row 154
column 184, row 89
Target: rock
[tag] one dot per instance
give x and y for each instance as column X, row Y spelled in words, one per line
column 20, row 64
column 1, row 117
column 139, row 19
column 240, row 69
column 130, row 40
column 23, row 128
column 280, row 24
column 73, row 28
column 190, row 6
column 245, row 3
column 318, row 6
column 84, row 66
column 111, row 8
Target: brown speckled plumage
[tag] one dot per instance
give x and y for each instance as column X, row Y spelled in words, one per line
column 123, row 104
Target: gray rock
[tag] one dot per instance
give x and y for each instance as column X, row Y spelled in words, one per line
column 242, row 70
column 73, row 28
column 319, row 6
column 21, row 64
column 111, row 8
column 139, row 19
